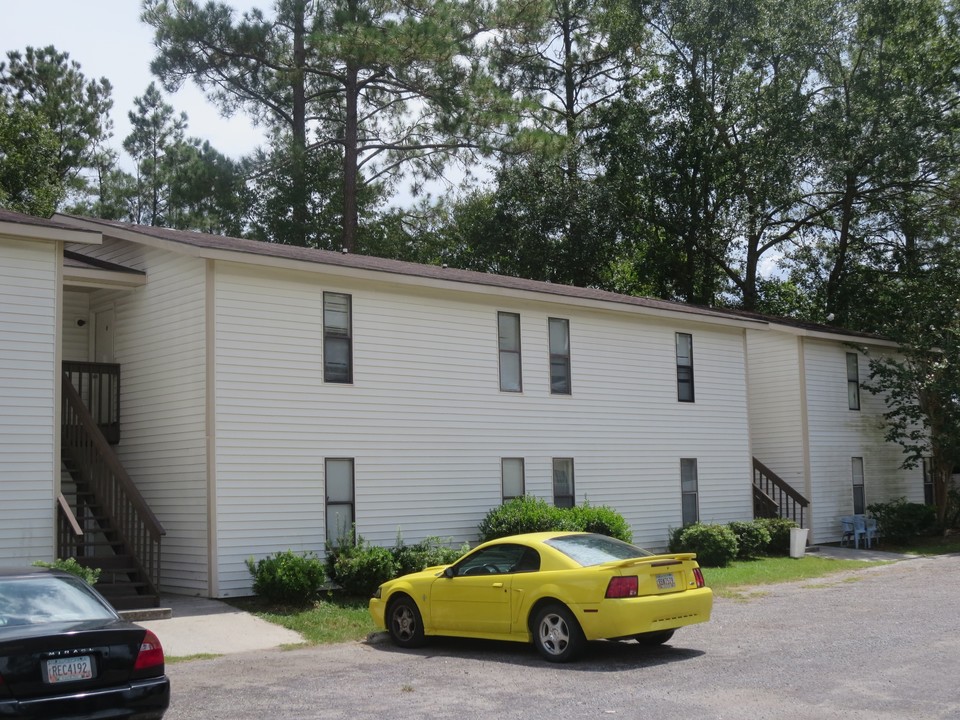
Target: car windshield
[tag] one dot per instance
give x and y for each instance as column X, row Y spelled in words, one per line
column 48, row 598
column 590, row 550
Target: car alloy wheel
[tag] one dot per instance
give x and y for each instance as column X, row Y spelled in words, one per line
column 557, row 635
column 406, row 625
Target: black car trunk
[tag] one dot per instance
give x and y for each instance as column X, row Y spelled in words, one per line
column 74, row 657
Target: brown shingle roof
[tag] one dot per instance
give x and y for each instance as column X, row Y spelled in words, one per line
column 20, row 219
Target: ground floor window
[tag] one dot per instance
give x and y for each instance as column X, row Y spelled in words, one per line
column 928, row 481
column 689, row 491
column 859, row 497
column 563, row 493
column 511, row 470
column 340, row 498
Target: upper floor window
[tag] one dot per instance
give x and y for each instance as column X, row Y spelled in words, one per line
column 563, row 493
column 689, row 492
column 859, row 497
column 559, row 330
column 337, row 338
column 508, row 325
column 511, row 470
column 684, row 367
column 853, row 381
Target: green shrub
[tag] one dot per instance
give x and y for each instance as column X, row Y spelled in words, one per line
column 286, row 577
column 523, row 515
column 900, row 521
column 779, row 529
column 715, row 545
column 426, row 553
column 602, row 520
column 753, row 538
column 70, row 565
column 361, row 568
column 530, row 514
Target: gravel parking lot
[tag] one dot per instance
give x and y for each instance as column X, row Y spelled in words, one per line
column 873, row 644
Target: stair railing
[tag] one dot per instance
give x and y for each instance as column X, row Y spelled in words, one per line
column 70, row 535
column 775, row 497
column 136, row 526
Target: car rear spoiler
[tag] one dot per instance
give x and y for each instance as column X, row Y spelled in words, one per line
column 655, row 560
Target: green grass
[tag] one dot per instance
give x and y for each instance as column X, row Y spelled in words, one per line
column 332, row 619
column 174, row 659
column 726, row 582
column 336, row 619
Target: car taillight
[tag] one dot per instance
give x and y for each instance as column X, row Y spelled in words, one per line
column 698, row 576
column 623, row 587
column 151, row 652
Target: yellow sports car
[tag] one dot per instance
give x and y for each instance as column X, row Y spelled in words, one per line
column 556, row 589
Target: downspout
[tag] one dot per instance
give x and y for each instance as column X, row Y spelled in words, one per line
column 209, row 335
column 805, row 435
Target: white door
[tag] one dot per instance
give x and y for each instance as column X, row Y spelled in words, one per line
column 103, row 400
column 103, row 336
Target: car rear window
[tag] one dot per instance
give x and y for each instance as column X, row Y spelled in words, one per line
column 590, row 550
column 47, row 599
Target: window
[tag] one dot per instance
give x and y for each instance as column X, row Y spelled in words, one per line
column 563, row 495
column 511, row 470
column 509, row 329
column 340, row 503
column 689, row 494
column 337, row 338
column 853, row 381
column 928, row 481
column 859, row 498
column 684, row 367
column 498, row 560
column 559, row 330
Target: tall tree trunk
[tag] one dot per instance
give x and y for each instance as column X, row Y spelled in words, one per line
column 298, row 171
column 350, row 160
column 836, row 304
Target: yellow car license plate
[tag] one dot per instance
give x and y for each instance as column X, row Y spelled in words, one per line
column 666, row 582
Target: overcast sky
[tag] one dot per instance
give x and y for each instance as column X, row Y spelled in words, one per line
column 108, row 39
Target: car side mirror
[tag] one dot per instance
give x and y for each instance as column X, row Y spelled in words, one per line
column 449, row 572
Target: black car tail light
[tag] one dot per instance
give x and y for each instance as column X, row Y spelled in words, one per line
column 698, row 576
column 151, row 652
column 623, row 587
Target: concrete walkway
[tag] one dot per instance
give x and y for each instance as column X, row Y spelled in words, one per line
column 199, row 625
column 849, row 553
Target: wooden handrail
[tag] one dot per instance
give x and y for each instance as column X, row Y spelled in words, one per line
column 68, row 515
column 135, row 525
column 788, row 503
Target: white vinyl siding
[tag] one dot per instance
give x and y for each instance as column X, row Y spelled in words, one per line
column 776, row 404
column 837, row 435
column 29, row 295
column 159, row 336
column 428, row 426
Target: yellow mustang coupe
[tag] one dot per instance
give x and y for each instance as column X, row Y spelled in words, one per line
column 556, row 589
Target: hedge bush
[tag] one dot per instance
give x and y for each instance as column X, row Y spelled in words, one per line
column 779, row 529
column 715, row 545
column 286, row 577
column 530, row 514
column 359, row 569
column 426, row 553
column 753, row 538
column 899, row 521
column 70, row 565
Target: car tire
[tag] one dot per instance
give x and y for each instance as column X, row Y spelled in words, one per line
column 651, row 639
column 404, row 623
column 557, row 634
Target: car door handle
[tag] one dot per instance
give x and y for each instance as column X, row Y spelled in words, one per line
column 498, row 585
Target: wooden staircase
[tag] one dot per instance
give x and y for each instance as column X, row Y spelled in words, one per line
column 774, row 497
column 104, row 522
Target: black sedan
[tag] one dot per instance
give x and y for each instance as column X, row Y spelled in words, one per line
column 65, row 653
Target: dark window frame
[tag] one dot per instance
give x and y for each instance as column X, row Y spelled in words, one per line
column 559, row 360
column 685, row 375
column 331, row 336
column 928, row 497
column 565, row 500
column 518, row 352
column 853, row 381
column 523, row 478
column 859, row 488
column 685, row 494
column 334, row 537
